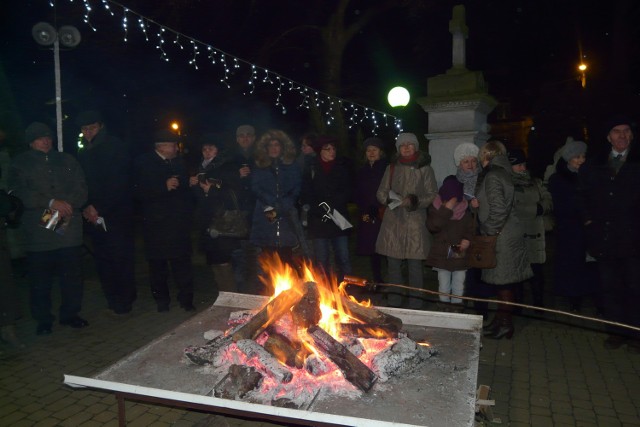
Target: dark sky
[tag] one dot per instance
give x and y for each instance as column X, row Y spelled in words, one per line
column 528, row 50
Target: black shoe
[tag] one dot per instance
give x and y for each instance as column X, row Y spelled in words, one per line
column 43, row 329
column 162, row 308
column 75, row 322
column 614, row 342
column 188, row 307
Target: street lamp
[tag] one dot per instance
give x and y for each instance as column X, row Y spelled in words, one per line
column 398, row 97
column 582, row 68
column 45, row 35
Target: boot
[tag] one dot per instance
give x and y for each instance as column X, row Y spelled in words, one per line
column 503, row 324
column 8, row 334
column 223, row 274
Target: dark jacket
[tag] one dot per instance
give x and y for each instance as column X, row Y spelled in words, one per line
column 107, row 168
column 571, row 277
column 276, row 186
column 367, row 182
column 332, row 188
column 495, row 193
column 241, row 186
column 612, row 203
column 447, row 231
column 36, row 178
column 167, row 215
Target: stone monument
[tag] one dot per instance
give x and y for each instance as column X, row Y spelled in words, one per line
column 457, row 104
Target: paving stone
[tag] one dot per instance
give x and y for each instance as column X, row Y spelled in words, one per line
column 541, row 421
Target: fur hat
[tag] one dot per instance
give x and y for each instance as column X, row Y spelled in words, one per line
column 451, row 188
column 88, row 117
column 573, row 149
column 36, row 130
column 517, row 157
column 466, row 149
column 245, row 130
column 323, row 140
column 164, row 135
column 375, row 141
column 407, row 138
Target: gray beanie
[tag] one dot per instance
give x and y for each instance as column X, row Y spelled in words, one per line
column 407, row 138
column 573, row 149
column 245, row 130
column 36, row 130
column 466, row 149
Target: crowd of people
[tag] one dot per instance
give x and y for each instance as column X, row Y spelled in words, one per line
column 266, row 197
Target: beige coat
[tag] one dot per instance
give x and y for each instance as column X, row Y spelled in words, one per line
column 404, row 234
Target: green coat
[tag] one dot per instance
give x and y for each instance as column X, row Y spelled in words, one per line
column 532, row 202
column 36, row 178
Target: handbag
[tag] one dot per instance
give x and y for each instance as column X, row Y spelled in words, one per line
column 482, row 252
column 230, row 223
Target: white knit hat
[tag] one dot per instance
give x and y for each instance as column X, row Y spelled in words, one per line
column 407, row 138
column 466, row 149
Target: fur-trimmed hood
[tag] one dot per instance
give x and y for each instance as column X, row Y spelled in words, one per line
column 288, row 155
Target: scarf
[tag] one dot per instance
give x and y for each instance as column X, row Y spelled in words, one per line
column 409, row 160
column 522, row 179
column 458, row 210
column 468, row 180
column 327, row 166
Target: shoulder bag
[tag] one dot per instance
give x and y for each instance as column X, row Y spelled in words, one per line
column 482, row 250
column 230, row 223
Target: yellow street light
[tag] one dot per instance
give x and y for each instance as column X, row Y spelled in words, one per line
column 175, row 126
column 583, row 76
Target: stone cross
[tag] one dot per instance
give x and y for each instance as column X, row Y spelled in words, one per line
column 458, row 28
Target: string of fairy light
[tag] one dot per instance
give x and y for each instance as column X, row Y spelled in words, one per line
column 200, row 53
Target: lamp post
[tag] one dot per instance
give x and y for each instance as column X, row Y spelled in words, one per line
column 45, row 35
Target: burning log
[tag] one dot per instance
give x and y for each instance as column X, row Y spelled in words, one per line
column 401, row 357
column 252, row 349
column 239, row 381
column 291, row 353
column 269, row 314
column 361, row 330
column 370, row 315
column 205, row 354
column 316, row 366
column 356, row 372
column 307, row 312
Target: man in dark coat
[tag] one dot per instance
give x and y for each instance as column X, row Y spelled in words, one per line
column 162, row 186
column 610, row 203
column 238, row 176
column 52, row 188
column 109, row 209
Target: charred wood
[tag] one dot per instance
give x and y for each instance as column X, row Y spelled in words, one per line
column 291, row 353
column 278, row 371
column 400, row 358
column 307, row 312
column 238, row 382
column 269, row 314
column 370, row 315
column 361, row 330
column 356, row 372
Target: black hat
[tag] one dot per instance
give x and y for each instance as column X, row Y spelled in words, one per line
column 36, row 130
column 517, row 157
column 323, row 140
column 212, row 139
column 88, row 117
column 165, row 135
column 375, row 141
column 617, row 120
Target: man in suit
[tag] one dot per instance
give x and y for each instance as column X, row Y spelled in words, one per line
column 162, row 187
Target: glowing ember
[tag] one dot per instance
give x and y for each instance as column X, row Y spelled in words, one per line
column 281, row 340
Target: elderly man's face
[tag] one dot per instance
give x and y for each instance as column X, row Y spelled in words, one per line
column 169, row 150
column 620, row 137
column 245, row 140
column 43, row 144
column 91, row 130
